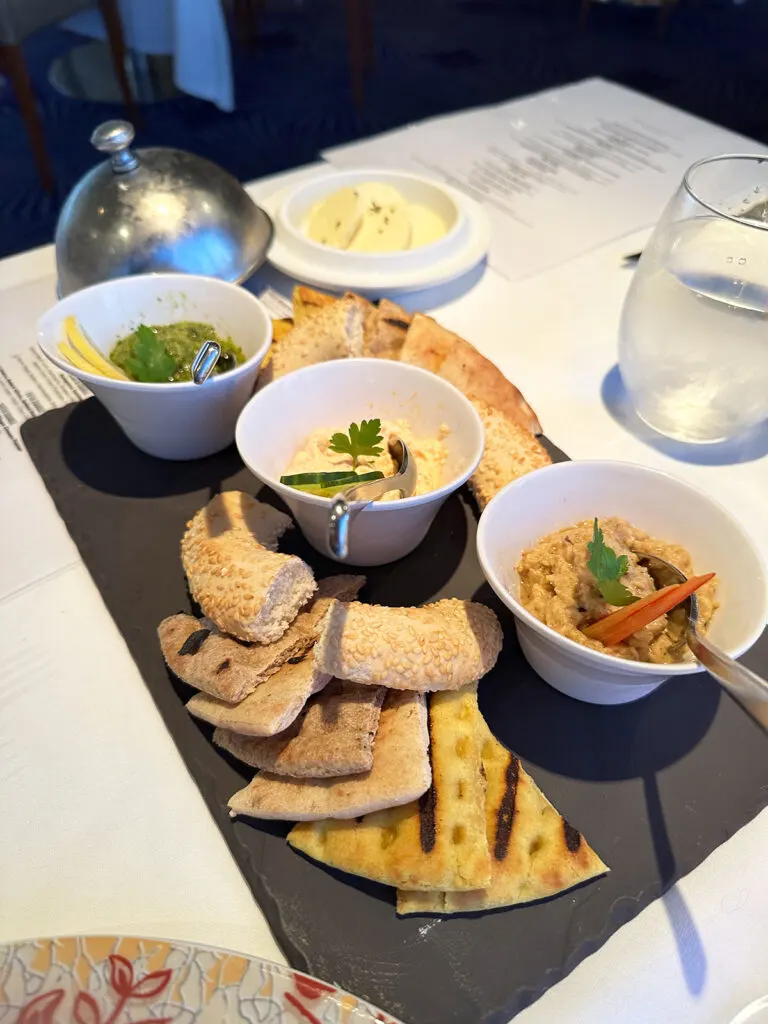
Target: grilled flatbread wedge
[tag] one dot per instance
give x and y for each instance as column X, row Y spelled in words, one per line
column 307, row 301
column 272, row 706
column 234, row 573
column 335, row 332
column 203, row 657
column 333, row 735
column 440, row 646
column 535, row 853
column 436, row 842
column 434, row 348
column 400, row 773
column 510, row 452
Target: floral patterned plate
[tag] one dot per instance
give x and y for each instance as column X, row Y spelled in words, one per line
column 109, row 980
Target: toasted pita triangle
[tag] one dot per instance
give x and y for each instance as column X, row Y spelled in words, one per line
column 535, row 853
column 434, row 348
column 400, row 774
column 333, row 332
column 432, row 843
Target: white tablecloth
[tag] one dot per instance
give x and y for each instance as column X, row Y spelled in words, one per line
column 101, row 827
column 193, row 31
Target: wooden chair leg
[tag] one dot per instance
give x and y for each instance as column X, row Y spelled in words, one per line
column 356, row 45
column 111, row 15
column 664, row 12
column 586, row 7
column 12, row 61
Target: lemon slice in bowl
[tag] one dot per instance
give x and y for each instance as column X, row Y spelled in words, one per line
column 83, row 355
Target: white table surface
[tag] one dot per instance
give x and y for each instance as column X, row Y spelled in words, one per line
column 102, row 830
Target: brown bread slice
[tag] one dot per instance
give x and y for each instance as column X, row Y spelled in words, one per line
column 400, row 773
column 433, row 843
column 332, row 736
column 510, row 452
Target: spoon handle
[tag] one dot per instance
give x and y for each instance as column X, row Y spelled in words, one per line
column 744, row 685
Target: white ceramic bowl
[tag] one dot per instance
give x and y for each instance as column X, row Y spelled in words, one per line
column 462, row 247
column 667, row 508
column 171, row 421
column 280, row 417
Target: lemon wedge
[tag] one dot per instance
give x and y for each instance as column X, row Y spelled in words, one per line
column 82, row 354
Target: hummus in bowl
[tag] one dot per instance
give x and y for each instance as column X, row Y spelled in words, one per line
column 558, row 587
column 317, row 455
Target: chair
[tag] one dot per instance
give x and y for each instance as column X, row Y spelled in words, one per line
column 664, row 9
column 19, row 19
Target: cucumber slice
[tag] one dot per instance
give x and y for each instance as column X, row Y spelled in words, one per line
column 319, row 479
column 325, row 489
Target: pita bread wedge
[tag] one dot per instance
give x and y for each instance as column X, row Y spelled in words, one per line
column 335, row 332
column 281, row 327
column 307, row 301
column 440, row 646
column 332, row 736
column 433, row 843
column 384, row 330
column 203, row 657
column 535, row 853
column 234, row 573
column 400, row 773
column 510, row 452
column 271, row 707
column 432, row 347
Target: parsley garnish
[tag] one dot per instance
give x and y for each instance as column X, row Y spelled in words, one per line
column 362, row 440
column 607, row 567
column 149, row 361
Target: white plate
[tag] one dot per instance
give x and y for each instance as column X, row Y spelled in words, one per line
column 461, row 249
column 113, row 979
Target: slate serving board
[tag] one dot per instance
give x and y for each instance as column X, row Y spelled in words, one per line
column 655, row 786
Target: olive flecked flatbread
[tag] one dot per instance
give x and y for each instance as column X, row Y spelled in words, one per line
column 435, row 842
column 535, row 853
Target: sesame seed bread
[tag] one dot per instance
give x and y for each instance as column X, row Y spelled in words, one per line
column 510, row 452
column 333, row 735
column 535, row 853
column 439, row 646
column 240, row 582
column 434, row 348
column 272, row 706
column 433, row 843
column 334, row 332
column 400, row 773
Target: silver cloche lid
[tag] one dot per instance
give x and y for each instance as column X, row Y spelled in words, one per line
column 156, row 210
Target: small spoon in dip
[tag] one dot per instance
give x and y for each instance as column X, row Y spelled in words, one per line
column 205, row 361
column 341, row 515
column 744, row 685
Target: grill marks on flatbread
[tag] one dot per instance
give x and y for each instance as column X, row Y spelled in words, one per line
column 439, row 646
column 535, row 853
column 234, row 573
column 436, row 842
column 434, row 348
column 400, row 773
column 333, row 735
column 229, row 669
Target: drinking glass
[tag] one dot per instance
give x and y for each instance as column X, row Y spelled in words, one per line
column 693, row 348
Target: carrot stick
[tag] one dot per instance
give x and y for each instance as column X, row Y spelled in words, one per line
column 617, row 626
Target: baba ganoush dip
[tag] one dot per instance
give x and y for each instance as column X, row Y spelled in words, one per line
column 558, row 588
column 429, row 453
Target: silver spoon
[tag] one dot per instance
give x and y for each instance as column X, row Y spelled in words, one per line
column 204, row 362
column 747, row 687
column 341, row 515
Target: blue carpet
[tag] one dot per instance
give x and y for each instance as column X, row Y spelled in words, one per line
column 432, row 56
